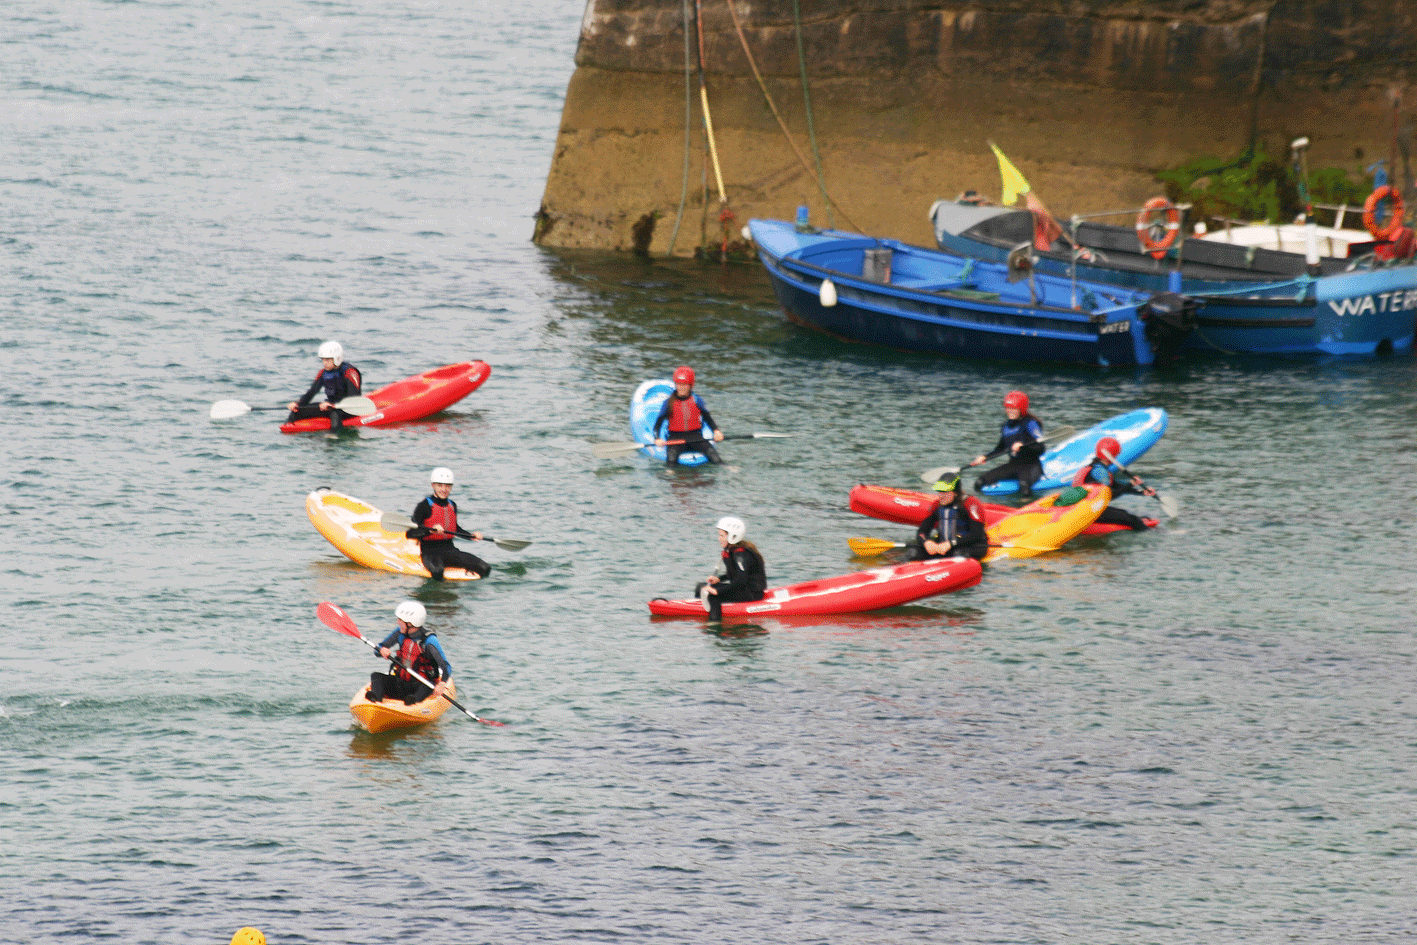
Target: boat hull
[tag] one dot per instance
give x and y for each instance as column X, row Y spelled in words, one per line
column 392, row 714
column 352, row 525
column 1044, row 526
column 1254, row 301
column 872, row 589
column 942, row 304
column 412, row 398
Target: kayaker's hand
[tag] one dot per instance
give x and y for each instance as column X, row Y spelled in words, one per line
column 978, row 459
column 712, row 579
column 292, row 406
column 439, row 688
column 1016, row 447
column 326, row 405
column 718, row 436
column 438, row 529
column 384, row 652
column 477, row 536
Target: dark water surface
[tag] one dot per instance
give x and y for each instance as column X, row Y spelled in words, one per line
column 1201, row 734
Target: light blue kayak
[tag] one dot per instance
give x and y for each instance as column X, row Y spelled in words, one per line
column 1137, row 431
column 644, row 410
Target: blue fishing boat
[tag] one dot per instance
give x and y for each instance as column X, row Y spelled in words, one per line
column 1254, row 300
column 885, row 292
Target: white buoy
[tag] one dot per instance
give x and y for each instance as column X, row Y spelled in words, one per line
column 827, row 294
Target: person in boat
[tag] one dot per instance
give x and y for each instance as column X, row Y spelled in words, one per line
column 684, row 417
column 436, row 524
column 956, row 527
column 745, row 577
column 1020, row 439
column 410, row 646
column 337, row 378
column 1100, row 471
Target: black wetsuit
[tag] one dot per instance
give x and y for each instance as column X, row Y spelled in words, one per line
column 745, row 579
column 694, row 441
column 1099, row 472
column 441, row 553
column 341, row 382
column 960, row 525
column 1023, row 465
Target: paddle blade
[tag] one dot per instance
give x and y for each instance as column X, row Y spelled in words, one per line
column 358, row 406
column 870, row 547
column 337, row 620
column 772, row 436
column 933, row 476
column 509, row 544
column 226, row 409
column 607, row 450
column 1170, row 506
column 394, row 522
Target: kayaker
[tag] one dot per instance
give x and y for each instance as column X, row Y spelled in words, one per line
column 337, row 378
column 1019, row 437
column 409, row 645
column 745, row 577
column 1100, row 471
column 685, row 415
column 955, row 529
column 436, row 518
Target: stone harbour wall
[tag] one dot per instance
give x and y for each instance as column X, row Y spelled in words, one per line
column 1088, row 100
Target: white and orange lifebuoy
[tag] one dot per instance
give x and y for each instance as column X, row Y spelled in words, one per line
column 1370, row 212
column 1156, row 214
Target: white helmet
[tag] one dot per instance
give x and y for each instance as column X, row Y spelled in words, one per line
column 332, row 349
column 441, row 474
column 734, row 527
column 412, row 612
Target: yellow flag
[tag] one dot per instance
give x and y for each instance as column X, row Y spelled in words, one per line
column 1014, row 184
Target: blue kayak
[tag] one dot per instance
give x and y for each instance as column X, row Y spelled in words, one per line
column 644, row 410
column 1137, row 431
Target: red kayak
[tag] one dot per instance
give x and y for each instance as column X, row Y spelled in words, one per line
column 910, row 508
column 412, row 398
column 847, row 594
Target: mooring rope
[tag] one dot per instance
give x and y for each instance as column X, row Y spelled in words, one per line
column 688, row 128
column 752, row 64
column 807, row 99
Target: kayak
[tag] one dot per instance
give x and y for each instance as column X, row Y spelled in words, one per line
column 412, row 398
column 910, row 508
column 352, row 526
column 1137, row 431
column 872, row 589
column 1044, row 525
column 644, row 410
column 392, row 713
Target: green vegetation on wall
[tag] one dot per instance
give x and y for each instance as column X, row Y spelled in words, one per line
column 1256, row 187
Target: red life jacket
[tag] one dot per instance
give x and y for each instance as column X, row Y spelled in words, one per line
column 445, row 515
column 684, row 415
column 411, row 654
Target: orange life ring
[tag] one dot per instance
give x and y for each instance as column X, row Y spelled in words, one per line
column 1370, row 212
column 1148, row 221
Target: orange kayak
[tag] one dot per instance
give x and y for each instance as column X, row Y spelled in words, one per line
column 392, row 713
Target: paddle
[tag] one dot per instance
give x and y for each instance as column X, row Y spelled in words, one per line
column 339, row 621
column 870, row 547
column 393, row 522
column 1170, row 506
column 939, row 472
column 354, row 406
column 606, row 450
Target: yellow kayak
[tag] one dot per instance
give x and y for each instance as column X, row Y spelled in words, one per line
column 392, row 713
column 1041, row 527
column 352, row 526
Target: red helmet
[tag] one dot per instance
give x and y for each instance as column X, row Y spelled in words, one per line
column 1109, row 446
column 684, row 375
column 1017, row 400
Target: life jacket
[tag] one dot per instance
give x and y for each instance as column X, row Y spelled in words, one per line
column 948, row 519
column 445, row 515
column 411, row 653
column 1085, row 474
column 330, row 381
column 754, row 575
column 684, row 414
